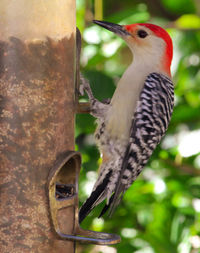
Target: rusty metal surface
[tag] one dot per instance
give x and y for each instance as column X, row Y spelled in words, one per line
column 83, row 107
column 36, row 117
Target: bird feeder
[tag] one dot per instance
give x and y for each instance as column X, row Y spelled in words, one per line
column 39, row 168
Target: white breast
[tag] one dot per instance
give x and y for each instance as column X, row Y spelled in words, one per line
column 124, row 100
column 123, row 104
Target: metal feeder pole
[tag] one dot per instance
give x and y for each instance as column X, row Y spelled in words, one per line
column 37, row 50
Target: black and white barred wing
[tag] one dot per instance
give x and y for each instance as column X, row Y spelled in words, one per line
column 150, row 123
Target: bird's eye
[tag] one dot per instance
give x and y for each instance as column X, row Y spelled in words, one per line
column 142, row 33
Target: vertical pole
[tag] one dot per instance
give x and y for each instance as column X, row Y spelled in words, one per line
column 98, row 9
column 37, row 49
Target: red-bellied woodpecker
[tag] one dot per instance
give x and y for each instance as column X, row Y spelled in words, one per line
column 133, row 123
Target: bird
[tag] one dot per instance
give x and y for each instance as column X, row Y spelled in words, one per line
column 133, row 122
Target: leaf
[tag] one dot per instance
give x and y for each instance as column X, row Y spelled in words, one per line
column 188, row 21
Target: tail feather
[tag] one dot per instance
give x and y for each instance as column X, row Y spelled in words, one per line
column 120, row 187
column 106, row 207
column 96, row 196
column 119, row 190
column 117, row 197
column 113, row 202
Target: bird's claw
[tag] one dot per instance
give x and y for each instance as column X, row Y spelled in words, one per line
column 81, row 90
column 85, row 87
column 84, row 82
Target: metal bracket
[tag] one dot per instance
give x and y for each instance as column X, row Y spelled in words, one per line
column 81, row 107
column 64, row 175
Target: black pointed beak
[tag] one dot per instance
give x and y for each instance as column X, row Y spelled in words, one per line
column 118, row 29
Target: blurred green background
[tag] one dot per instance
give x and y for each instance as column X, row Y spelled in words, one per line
column 160, row 213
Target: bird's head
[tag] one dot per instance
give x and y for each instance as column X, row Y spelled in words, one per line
column 148, row 42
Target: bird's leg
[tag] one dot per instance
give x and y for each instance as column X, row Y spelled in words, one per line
column 98, row 108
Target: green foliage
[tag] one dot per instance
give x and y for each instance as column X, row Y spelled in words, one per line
column 160, row 213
